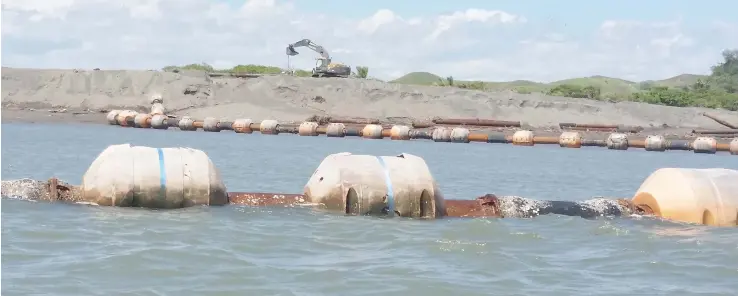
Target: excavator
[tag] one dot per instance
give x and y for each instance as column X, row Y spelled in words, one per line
column 323, row 67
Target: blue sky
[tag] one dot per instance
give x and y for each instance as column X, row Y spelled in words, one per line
column 577, row 14
column 484, row 40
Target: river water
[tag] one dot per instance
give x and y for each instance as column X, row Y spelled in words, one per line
column 55, row 249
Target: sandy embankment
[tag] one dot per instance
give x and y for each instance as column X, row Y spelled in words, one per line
column 33, row 95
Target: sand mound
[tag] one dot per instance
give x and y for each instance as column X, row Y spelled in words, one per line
column 295, row 98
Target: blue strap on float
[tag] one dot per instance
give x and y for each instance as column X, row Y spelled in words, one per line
column 388, row 182
column 162, row 175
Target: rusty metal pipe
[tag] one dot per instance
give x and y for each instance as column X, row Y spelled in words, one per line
column 720, row 121
column 423, row 124
column 545, row 140
column 478, row 137
column 488, row 205
column 723, row 147
column 637, row 143
column 476, row 122
column 354, row 120
column 484, row 206
column 590, row 129
column 716, row 132
column 587, row 125
column 600, row 127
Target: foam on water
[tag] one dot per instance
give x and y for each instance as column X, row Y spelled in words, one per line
column 27, row 189
column 520, row 207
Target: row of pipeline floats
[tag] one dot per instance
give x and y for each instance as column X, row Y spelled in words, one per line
column 139, row 176
column 567, row 139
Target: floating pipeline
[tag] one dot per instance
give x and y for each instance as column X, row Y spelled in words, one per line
column 344, row 183
column 487, row 206
column 567, row 139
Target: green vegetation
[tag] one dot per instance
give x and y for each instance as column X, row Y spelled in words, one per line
column 362, row 71
column 717, row 90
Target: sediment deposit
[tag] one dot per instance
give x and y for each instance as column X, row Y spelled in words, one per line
column 71, row 95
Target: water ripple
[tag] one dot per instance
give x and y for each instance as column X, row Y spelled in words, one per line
column 238, row 250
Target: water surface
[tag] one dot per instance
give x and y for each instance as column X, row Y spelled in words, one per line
column 58, row 249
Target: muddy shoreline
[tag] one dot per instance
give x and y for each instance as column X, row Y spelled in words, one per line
column 85, row 96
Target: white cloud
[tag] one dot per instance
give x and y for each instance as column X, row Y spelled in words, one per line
column 468, row 44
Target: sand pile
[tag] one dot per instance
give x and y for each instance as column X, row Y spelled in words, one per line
column 295, row 98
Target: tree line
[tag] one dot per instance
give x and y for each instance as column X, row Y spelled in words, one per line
column 718, row 90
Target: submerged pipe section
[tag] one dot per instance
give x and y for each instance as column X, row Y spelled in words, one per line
column 487, row 206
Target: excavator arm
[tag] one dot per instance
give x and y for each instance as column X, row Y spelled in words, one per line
column 309, row 44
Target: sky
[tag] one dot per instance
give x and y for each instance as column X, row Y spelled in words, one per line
column 469, row 40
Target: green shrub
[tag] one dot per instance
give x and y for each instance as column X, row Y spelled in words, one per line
column 362, row 71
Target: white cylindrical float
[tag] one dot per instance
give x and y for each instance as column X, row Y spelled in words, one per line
column 124, row 115
column 142, row 120
column 617, row 141
column 139, row 176
column 655, row 143
column 269, row 127
column 705, row 196
column 733, row 146
column 335, row 130
column 242, row 126
column 523, row 138
column 159, row 122
column 156, row 98
column 400, row 132
column 459, row 135
column 376, row 185
column 112, row 117
column 157, row 109
column 210, row 124
column 704, row 145
column 570, row 140
column 308, row 128
column 441, row 134
column 187, row 124
column 372, row 131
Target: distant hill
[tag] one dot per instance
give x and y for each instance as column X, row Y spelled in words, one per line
column 607, row 85
column 420, row 78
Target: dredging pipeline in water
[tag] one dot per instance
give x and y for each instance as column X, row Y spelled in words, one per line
column 487, row 206
column 572, row 137
column 344, row 183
